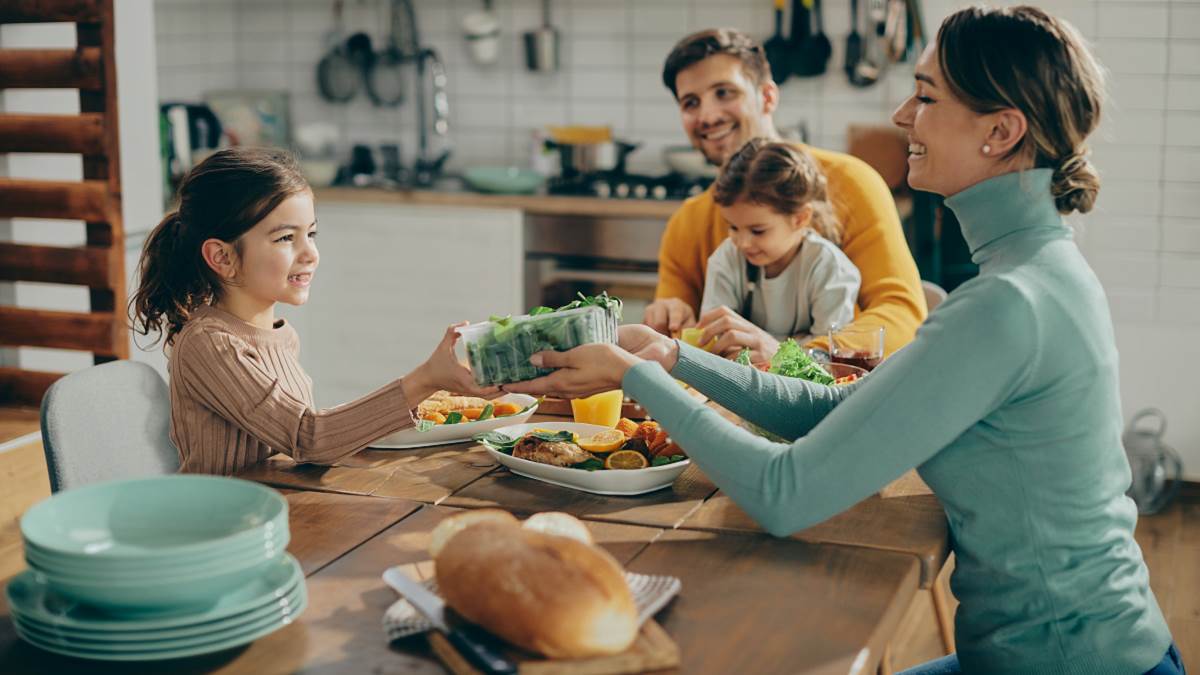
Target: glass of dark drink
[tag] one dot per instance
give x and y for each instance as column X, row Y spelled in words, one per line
column 857, row 345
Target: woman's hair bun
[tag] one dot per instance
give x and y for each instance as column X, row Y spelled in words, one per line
column 1075, row 184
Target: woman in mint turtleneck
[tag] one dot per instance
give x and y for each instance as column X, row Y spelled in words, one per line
column 1006, row 402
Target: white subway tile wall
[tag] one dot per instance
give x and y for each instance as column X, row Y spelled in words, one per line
column 1143, row 239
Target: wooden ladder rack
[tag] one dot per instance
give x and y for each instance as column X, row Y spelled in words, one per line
column 99, row 264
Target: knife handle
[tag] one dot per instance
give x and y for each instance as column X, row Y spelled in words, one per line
column 477, row 647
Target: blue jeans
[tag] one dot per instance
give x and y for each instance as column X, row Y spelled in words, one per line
column 1171, row 664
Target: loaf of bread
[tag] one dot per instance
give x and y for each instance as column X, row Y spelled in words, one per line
column 562, row 524
column 546, row 593
column 456, row 523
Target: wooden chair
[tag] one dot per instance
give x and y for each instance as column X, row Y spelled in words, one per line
column 99, row 265
column 885, row 148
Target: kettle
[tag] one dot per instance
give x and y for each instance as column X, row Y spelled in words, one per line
column 1157, row 469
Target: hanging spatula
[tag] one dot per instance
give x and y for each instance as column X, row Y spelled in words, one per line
column 776, row 48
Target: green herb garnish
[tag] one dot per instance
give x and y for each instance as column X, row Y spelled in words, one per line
column 453, row 418
column 592, row 464
column 425, row 425
column 487, row 412
column 497, row 441
column 553, row 436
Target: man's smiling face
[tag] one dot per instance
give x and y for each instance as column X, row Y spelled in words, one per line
column 722, row 107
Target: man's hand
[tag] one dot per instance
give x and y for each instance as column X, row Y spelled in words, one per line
column 733, row 333
column 582, row 371
column 669, row 316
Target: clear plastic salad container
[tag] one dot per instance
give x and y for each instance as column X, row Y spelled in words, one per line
column 499, row 351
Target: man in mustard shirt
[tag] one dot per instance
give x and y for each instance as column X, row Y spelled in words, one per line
column 726, row 96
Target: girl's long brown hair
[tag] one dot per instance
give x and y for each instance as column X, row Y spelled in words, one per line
column 781, row 177
column 1025, row 59
column 220, row 198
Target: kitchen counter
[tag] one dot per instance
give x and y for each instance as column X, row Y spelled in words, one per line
column 538, row 204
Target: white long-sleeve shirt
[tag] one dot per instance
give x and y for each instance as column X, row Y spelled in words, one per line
column 817, row 290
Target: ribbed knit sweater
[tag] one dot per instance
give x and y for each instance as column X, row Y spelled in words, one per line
column 1007, row 402
column 239, row 395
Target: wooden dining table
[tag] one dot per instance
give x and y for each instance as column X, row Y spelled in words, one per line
column 826, row 600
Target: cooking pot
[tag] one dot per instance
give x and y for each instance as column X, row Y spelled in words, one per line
column 1157, row 469
column 585, row 158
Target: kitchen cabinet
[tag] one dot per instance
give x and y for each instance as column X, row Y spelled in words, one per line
column 391, row 278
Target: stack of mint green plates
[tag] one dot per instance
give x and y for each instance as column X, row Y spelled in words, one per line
column 156, row 568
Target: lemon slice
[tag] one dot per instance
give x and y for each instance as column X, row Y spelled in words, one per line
column 692, row 336
column 626, row 459
column 603, row 441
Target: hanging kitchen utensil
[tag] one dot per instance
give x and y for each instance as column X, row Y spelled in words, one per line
column 814, row 54
column 798, row 39
column 387, row 79
column 895, row 36
column 821, row 39
column 1156, row 468
column 853, row 43
column 776, row 48
column 542, row 45
column 916, row 28
column 338, row 77
column 481, row 30
column 874, row 60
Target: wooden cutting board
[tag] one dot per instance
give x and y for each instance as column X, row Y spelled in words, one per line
column 653, row 650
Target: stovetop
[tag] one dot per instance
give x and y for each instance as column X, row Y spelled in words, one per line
column 613, row 185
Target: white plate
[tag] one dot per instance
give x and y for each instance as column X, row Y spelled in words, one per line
column 444, row 434
column 622, row 482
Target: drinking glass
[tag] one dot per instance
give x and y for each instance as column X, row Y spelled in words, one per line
column 857, row 345
column 603, row 408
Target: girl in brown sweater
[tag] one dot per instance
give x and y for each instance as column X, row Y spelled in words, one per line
column 243, row 240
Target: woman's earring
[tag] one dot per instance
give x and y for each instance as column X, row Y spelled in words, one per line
column 987, row 149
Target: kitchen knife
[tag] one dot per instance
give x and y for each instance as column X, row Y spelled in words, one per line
column 469, row 640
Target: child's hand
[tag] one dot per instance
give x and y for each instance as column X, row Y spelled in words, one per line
column 442, row 370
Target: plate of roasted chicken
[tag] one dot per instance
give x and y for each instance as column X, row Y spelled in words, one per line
column 629, row 460
column 448, row 418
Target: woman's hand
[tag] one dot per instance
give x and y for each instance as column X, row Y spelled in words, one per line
column 734, row 333
column 442, row 370
column 582, row 371
column 644, row 342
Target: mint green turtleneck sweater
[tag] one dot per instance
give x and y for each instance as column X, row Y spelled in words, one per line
column 1007, row 404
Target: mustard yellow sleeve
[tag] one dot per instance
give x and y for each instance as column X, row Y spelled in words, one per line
column 891, row 294
column 678, row 274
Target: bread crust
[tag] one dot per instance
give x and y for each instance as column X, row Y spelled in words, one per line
column 546, row 593
column 450, row 526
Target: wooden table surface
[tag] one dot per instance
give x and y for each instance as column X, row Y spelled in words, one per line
column 908, row 519
column 749, row 604
column 826, row 600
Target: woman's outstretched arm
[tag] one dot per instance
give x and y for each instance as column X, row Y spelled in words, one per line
column 966, row 362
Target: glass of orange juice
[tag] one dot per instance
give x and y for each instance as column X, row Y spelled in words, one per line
column 603, row 409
